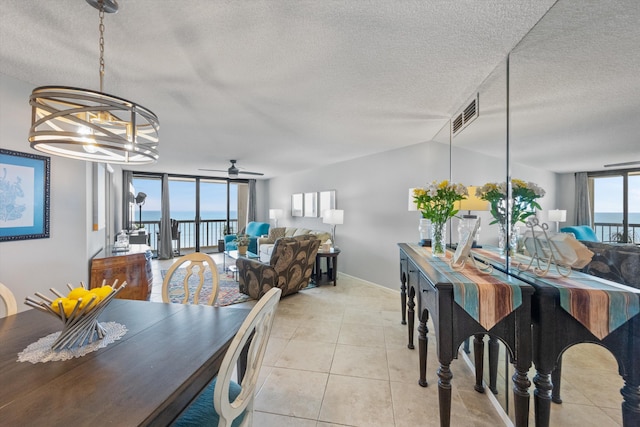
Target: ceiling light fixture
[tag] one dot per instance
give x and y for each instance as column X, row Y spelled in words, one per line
column 93, row 126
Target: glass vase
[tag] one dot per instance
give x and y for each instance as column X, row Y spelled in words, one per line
column 438, row 239
column 424, row 229
column 512, row 244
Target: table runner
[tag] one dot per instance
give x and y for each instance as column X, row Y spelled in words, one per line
column 484, row 296
column 598, row 304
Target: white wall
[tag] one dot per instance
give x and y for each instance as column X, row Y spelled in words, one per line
column 28, row 266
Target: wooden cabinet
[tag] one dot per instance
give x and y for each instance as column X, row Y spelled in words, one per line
column 132, row 266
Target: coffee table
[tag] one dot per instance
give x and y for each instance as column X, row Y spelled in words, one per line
column 235, row 255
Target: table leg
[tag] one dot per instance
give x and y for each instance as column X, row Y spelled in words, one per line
column 423, row 341
column 444, row 393
column 493, row 363
column 411, row 315
column 403, row 299
column 478, row 360
column 630, row 403
column 334, row 269
column 556, row 378
column 521, row 386
column 542, row 398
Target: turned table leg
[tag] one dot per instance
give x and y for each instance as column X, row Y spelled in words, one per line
column 444, row 394
column 493, row 363
column 630, row 403
column 542, row 398
column 411, row 315
column 478, row 359
column 556, row 378
column 423, row 341
column 403, row 299
column 521, row 386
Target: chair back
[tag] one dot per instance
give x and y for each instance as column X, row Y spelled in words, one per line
column 257, row 328
column 581, row 232
column 257, row 229
column 194, row 266
column 9, row 300
column 175, row 230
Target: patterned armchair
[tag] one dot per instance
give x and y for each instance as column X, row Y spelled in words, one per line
column 289, row 268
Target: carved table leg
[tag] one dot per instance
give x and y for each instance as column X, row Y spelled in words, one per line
column 542, row 398
column 556, row 377
column 411, row 314
column 403, row 299
column 630, row 404
column 521, row 386
column 478, row 360
column 423, row 341
column 493, row 364
column 444, row 394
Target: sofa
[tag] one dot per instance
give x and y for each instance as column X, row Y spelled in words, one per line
column 289, row 268
column 254, row 230
column 614, row 261
column 266, row 244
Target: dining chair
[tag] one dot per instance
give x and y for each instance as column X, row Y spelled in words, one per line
column 225, row 403
column 195, row 266
column 8, row 299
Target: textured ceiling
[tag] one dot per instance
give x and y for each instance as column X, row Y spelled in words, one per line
column 279, row 85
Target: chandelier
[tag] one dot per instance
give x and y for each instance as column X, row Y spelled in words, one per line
column 89, row 125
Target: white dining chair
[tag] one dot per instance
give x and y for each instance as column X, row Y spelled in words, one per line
column 193, row 265
column 224, row 403
column 8, row 299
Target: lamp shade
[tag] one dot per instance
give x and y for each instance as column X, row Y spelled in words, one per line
column 412, row 203
column 276, row 213
column 472, row 202
column 557, row 215
column 333, row 216
column 140, row 198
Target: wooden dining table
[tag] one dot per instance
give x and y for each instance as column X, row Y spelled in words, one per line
column 169, row 353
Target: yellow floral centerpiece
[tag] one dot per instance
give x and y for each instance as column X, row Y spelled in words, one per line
column 522, row 205
column 436, row 203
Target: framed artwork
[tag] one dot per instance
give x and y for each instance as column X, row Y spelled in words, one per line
column 24, row 196
column 311, row 204
column 326, row 201
column 463, row 250
column 297, row 204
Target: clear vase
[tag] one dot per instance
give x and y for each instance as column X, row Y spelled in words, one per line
column 438, row 239
column 424, row 229
column 512, row 244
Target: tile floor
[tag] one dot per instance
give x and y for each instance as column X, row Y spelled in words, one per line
column 337, row 356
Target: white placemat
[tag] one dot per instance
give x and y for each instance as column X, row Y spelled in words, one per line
column 40, row 351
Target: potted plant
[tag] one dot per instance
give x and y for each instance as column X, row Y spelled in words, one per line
column 242, row 241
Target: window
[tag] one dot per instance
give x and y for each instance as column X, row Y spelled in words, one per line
column 616, row 205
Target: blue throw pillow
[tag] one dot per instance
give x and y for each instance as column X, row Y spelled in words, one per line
column 202, row 413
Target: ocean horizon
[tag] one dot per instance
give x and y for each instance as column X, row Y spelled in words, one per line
column 184, row 215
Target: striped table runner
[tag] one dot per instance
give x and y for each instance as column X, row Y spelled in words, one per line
column 488, row 298
column 600, row 305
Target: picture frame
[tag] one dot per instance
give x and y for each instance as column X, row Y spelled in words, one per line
column 463, row 251
column 311, row 205
column 297, row 204
column 326, row 201
column 25, row 195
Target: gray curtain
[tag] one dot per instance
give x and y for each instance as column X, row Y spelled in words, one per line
column 165, row 250
column 127, row 221
column 252, row 200
column 583, row 202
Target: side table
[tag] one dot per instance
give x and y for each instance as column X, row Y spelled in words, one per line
column 331, row 258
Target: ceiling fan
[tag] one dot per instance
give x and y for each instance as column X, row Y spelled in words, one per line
column 233, row 171
column 635, row 162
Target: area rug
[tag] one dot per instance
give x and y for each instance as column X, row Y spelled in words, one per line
column 228, row 292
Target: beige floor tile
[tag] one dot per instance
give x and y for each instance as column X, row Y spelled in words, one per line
column 570, row 415
column 354, row 334
column 326, row 332
column 275, row 347
column 292, row 392
column 307, row 356
column 264, row 419
column 357, row 402
column 284, row 327
column 359, row 361
column 361, row 316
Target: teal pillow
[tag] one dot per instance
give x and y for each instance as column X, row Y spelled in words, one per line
column 202, row 413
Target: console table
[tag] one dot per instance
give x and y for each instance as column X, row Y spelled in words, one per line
column 132, row 266
column 465, row 303
column 580, row 309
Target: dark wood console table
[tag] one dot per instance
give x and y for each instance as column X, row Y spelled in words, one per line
column 555, row 329
column 439, row 291
column 132, row 266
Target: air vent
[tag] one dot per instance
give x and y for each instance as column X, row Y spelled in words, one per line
column 462, row 120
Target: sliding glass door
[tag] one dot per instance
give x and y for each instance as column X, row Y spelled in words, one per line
column 616, row 206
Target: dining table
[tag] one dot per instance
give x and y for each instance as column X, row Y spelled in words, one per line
column 166, row 357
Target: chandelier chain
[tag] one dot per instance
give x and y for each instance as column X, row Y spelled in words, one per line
column 101, row 27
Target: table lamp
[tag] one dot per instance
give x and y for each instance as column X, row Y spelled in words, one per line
column 275, row 215
column 468, row 220
column 333, row 217
column 557, row 216
column 424, row 227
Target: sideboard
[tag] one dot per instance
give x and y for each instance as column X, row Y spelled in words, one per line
column 132, row 266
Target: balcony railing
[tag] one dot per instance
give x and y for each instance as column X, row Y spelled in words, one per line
column 612, row 232
column 210, row 231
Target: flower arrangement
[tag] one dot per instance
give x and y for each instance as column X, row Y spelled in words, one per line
column 436, row 201
column 242, row 240
column 522, row 205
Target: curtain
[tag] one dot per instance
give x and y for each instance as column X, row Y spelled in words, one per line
column 127, row 199
column 583, row 202
column 165, row 250
column 252, row 200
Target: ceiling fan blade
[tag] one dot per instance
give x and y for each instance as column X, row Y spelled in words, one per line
column 250, row 173
column 213, row 170
column 636, row 162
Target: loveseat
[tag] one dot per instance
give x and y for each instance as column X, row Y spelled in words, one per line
column 266, row 244
column 254, row 230
column 614, row 261
column 289, row 268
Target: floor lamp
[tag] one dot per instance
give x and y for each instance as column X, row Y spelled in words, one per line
column 333, row 217
column 140, row 198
